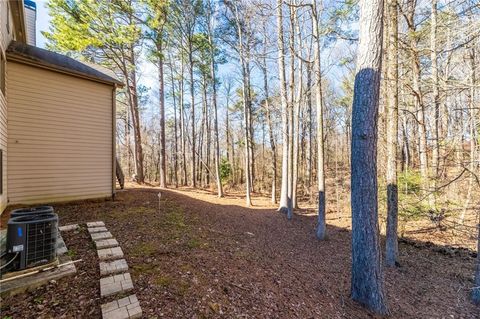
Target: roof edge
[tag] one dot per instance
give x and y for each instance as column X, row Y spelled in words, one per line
column 57, row 62
column 54, row 68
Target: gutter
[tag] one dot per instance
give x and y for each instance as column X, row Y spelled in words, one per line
column 114, row 140
column 19, row 59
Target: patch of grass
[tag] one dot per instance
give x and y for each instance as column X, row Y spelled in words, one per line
column 409, row 182
column 142, row 210
column 133, row 211
column 163, row 280
column 71, row 253
column 186, row 267
column 145, row 249
column 175, row 218
column 413, row 210
column 193, row 243
column 143, row 269
column 182, row 288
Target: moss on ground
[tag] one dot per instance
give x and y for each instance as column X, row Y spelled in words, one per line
column 145, row 248
column 163, row 280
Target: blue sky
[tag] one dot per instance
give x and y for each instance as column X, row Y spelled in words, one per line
column 150, row 80
column 43, row 20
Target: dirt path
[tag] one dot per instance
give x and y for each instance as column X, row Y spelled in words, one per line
column 204, row 257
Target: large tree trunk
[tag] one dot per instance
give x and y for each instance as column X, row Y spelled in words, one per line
column 182, row 124
column 472, row 132
column 161, row 96
column 202, row 133
column 321, row 223
column 291, row 121
column 246, row 115
column 249, row 122
column 296, row 111
column 269, row 118
column 367, row 275
column 392, row 135
column 175, row 126
column 128, row 142
column 418, row 97
column 137, row 135
column 436, row 102
column 283, row 98
column 310, row 132
column 476, row 288
column 192, row 115
column 215, row 117
column 246, row 102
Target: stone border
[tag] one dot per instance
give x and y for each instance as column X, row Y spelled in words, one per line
column 118, row 280
column 113, row 267
column 124, row 308
column 68, row 227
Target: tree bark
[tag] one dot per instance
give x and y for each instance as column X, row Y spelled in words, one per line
column 182, row 124
column 192, row 115
column 246, row 122
column 296, row 111
column 283, row 97
column 476, row 288
column 137, row 135
column 310, row 131
column 391, row 254
column 269, row 118
column 436, row 102
column 175, row 125
column 215, row 115
column 291, row 120
column 367, row 275
column 321, row 222
column 418, row 98
column 161, row 96
column 472, row 133
column 246, row 101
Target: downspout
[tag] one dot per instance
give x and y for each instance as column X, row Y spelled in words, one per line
column 114, row 139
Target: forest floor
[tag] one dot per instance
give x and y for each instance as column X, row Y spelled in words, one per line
column 199, row 256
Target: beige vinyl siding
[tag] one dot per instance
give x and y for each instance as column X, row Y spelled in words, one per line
column 6, row 35
column 59, row 136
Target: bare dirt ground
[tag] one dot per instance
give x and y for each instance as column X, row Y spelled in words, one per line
column 198, row 256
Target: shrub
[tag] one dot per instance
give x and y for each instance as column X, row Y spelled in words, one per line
column 409, row 182
column 225, row 169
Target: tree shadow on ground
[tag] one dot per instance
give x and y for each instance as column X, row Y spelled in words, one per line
column 197, row 255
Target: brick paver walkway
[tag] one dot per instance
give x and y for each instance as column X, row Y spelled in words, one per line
column 118, row 280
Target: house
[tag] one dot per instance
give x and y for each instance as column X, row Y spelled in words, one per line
column 57, row 119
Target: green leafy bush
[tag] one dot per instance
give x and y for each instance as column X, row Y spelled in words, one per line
column 409, row 182
column 225, row 169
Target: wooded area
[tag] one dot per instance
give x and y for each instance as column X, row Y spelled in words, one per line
column 288, row 97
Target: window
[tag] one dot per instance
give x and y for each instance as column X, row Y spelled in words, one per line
column 2, row 73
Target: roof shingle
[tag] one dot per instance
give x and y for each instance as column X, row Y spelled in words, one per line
column 27, row 53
